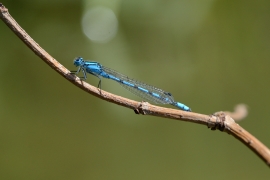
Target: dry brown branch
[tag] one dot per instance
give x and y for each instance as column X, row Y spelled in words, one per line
column 219, row 120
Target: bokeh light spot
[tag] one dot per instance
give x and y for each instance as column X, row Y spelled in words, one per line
column 100, row 24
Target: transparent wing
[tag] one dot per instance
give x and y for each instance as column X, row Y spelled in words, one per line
column 154, row 94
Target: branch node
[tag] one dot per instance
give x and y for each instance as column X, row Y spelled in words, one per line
column 220, row 121
column 143, row 108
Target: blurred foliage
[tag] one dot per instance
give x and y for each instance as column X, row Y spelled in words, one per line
column 210, row 54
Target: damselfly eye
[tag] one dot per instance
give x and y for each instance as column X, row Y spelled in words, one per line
column 78, row 61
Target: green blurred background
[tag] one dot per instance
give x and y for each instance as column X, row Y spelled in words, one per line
column 210, row 54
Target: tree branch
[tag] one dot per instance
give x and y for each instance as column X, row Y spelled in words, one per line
column 219, row 120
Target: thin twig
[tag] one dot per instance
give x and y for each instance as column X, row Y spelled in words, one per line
column 240, row 112
column 219, row 121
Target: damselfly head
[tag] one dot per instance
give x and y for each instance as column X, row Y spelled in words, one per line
column 78, row 61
